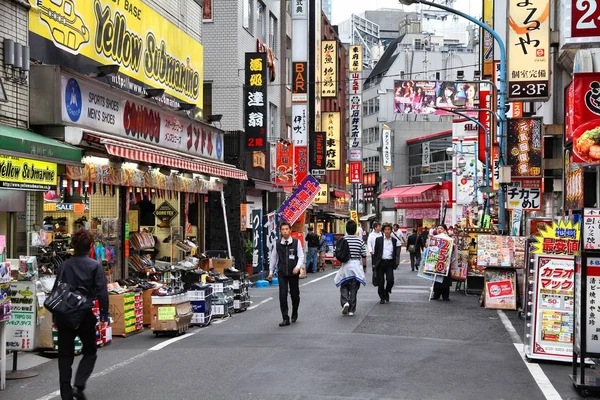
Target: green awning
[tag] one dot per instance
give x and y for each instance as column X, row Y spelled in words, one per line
column 31, row 144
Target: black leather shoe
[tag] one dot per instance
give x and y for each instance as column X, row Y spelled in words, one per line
column 285, row 322
column 78, row 394
column 294, row 316
column 381, row 301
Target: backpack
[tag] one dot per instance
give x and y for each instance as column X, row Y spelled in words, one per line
column 342, row 250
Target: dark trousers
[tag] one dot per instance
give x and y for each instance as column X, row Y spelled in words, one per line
column 348, row 292
column 415, row 260
column 66, row 354
column 293, row 282
column 385, row 273
column 443, row 292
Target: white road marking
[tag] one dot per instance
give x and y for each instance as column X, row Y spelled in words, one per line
column 318, row 279
column 548, row 390
column 218, row 321
column 261, row 303
column 171, row 341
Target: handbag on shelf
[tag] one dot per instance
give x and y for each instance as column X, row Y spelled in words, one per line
column 68, row 305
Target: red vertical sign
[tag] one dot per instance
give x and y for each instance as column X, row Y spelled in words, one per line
column 300, row 164
column 486, row 119
column 355, row 171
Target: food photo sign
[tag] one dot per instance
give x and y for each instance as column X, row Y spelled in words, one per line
column 583, row 127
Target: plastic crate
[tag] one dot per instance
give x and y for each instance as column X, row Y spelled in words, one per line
column 200, row 294
column 201, row 306
column 201, row 318
column 176, row 299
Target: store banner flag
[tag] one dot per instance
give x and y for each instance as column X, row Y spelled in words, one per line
column 573, row 183
column 561, row 239
column 329, row 68
column 333, row 144
column 298, row 202
column 487, row 44
column 524, row 143
column 255, row 101
column 485, row 102
column 318, row 165
column 257, row 238
column 271, row 234
column 300, row 164
column 421, row 97
column 439, row 256
column 583, row 126
column 283, row 174
column 386, row 147
column 355, row 171
column 355, row 118
column 528, row 48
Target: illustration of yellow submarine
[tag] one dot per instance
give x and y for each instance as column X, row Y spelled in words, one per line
column 66, row 27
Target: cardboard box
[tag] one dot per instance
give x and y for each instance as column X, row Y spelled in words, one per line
column 147, row 296
column 171, row 317
column 46, row 341
column 219, row 264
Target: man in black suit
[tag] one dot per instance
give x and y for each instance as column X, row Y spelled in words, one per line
column 384, row 260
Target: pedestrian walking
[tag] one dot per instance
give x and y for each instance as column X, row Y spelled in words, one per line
column 287, row 262
column 323, row 247
column 384, row 259
column 83, row 273
column 414, row 246
column 312, row 241
column 425, row 237
column 375, row 233
column 352, row 273
column 399, row 236
column 442, row 289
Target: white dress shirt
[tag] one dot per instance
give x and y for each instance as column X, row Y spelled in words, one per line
column 388, row 248
column 399, row 237
column 273, row 257
column 371, row 241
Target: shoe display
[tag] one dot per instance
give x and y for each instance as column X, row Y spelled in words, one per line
column 345, row 308
column 286, row 322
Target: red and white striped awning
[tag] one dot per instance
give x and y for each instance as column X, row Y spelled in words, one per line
column 149, row 154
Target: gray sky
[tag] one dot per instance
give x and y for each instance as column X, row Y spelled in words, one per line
column 342, row 9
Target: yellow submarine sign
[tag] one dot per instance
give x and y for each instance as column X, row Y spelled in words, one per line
column 146, row 46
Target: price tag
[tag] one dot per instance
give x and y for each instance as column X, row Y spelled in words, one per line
column 166, row 313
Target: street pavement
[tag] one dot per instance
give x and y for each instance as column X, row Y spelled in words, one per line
column 411, row 348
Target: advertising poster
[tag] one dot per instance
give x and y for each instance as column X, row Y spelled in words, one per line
column 573, row 183
column 283, row 175
column 582, row 124
column 561, row 239
column 553, row 309
column 437, row 260
column 500, row 289
column 21, row 328
column 298, row 202
column 524, row 145
column 536, row 225
column 495, row 251
column 421, row 97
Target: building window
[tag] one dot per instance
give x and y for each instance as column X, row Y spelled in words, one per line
column 371, row 106
column 207, row 100
column 273, row 34
column 273, row 115
column 418, row 44
column 371, row 164
column 248, row 14
column 377, row 104
column 261, row 30
column 365, row 108
column 288, row 72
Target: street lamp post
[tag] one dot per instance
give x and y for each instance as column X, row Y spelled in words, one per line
column 501, row 92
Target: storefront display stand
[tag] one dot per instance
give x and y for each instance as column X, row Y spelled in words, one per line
column 469, row 291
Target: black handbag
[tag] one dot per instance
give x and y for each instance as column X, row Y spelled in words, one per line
column 68, row 306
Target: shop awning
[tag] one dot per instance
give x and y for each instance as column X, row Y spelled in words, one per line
column 23, row 143
column 368, row 217
column 393, row 193
column 337, row 215
column 342, row 194
column 160, row 156
column 417, row 190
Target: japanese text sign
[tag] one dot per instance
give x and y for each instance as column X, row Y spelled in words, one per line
column 257, row 237
column 299, row 9
column 524, row 197
column 355, row 119
column 386, row 147
column 355, row 171
column 439, row 256
column 255, row 102
column 329, row 65
column 21, row 327
column 283, row 175
column 332, row 146
column 298, row 202
column 322, row 196
column 591, row 229
column 355, row 63
column 299, row 124
column 581, row 28
column 524, row 139
column 528, row 49
column 300, row 164
column 317, row 154
column 561, row 238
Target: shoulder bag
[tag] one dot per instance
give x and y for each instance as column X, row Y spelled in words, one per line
column 67, row 305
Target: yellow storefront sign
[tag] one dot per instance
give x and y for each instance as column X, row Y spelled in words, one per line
column 23, row 173
column 146, row 46
column 322, row 196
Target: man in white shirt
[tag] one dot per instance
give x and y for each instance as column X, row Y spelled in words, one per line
column 371, row 246
column 287, row 261
column 384, row 260
column 400, row 240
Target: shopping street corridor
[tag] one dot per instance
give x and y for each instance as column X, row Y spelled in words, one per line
column 411, row 348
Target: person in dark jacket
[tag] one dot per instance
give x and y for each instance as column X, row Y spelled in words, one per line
column 81, row 272
column 384, row 261
column 442, row 289
column 414, row 246
column 312, row 241
column 287, row 261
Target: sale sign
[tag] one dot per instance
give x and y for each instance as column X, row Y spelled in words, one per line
column 438, row 256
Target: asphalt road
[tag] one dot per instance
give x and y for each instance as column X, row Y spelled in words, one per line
column 410, row 348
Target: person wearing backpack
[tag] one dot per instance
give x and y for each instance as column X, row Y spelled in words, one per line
column 352, row 253
column 323, row 247
column 384, row 260
column 80, row 272
column 414, row 246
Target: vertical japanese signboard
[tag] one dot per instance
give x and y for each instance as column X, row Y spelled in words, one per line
column 300, row 139
column 322, row 196
column 386, row 147
column 528, row 50
column 283, row 175
column 299, row 82
column 317, row 155
column 257, row 238
column 300, row 163
column 485, row 102
column 21, row 328
column 592, row 308
column 298, row 202
column 255, row 102
column 329, row 61
column 355, row 171
column 524, row 144
column 355, row 119
column 487, row 53
column 332, row 146
column 300, row 116
column 591, row 229
column 356, row 58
